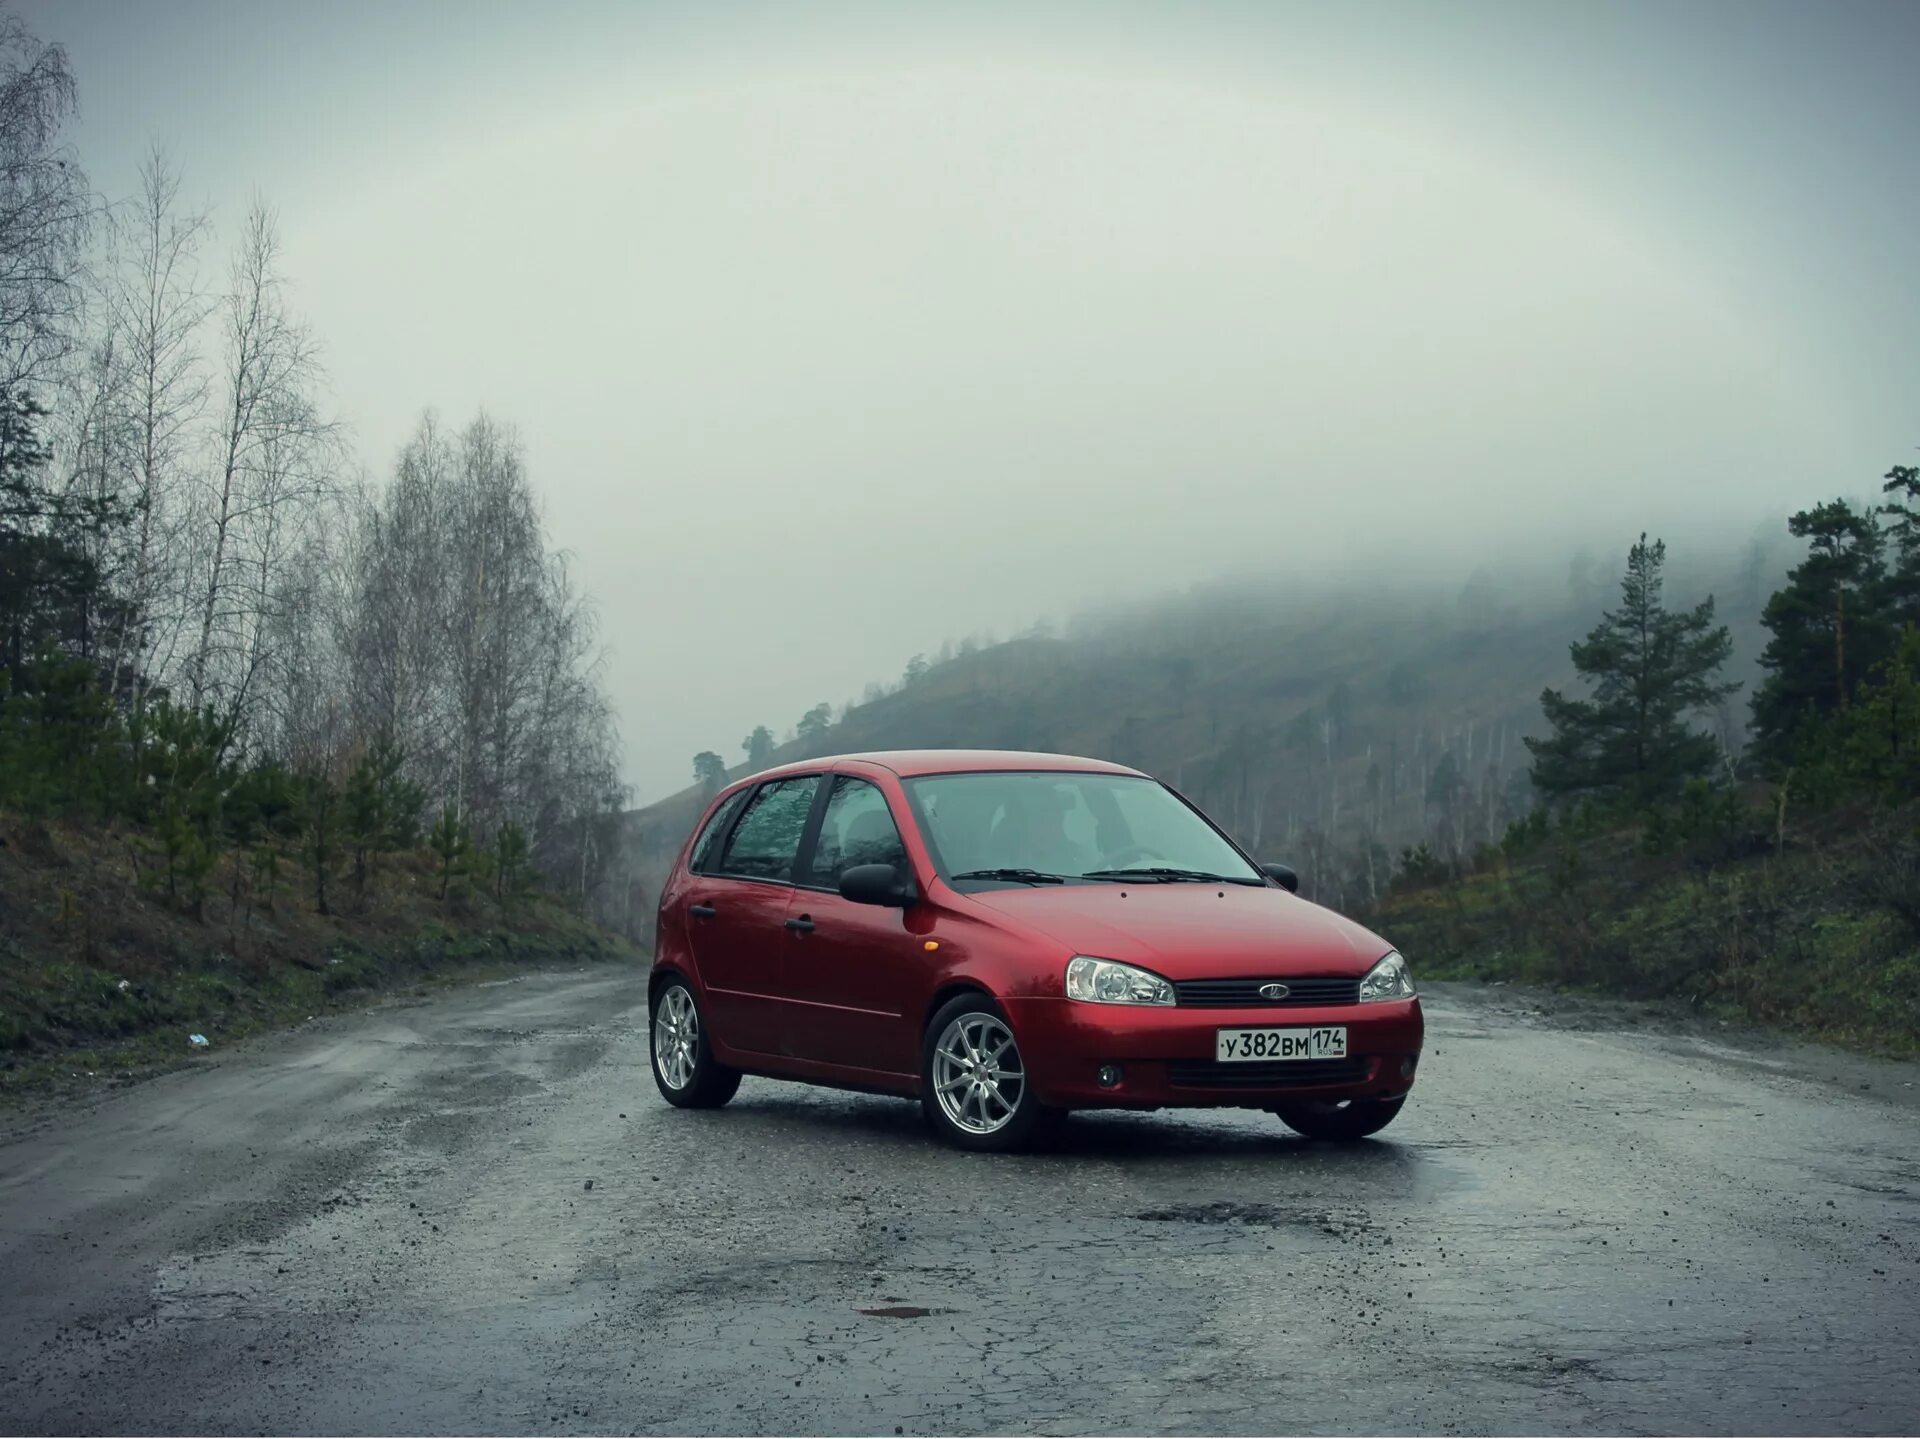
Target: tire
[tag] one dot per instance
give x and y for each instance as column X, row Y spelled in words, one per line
column 1332, row 1119
column 977, row 1114
column 677, row 1043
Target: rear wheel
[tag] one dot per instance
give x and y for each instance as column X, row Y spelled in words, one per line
column 683, row 1064
column 1340, row 1119
column 973, row 1082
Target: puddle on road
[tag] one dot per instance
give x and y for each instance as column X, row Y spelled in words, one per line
column 1889, row 1190
column 901, row 1311
column 209, row 1286
column 1269, row 1216
column 1729, row 1053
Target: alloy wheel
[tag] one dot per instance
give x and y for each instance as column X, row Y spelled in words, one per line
column 676, row 1037
column 978, row 1079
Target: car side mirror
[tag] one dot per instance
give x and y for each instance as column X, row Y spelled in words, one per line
column 875, row 884
column 1283, row 875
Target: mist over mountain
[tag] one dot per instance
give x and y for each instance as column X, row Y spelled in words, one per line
column 1311, row 717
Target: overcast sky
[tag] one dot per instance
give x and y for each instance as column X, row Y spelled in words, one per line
column 833, row 331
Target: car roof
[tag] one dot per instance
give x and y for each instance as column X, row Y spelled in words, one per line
column 909, row 762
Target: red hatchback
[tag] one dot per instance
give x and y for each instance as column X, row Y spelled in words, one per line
column 1010, row 936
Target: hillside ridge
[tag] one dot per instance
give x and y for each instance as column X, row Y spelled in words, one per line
column 1357, row 719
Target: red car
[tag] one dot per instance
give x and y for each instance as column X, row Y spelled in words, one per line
column 1008, row 937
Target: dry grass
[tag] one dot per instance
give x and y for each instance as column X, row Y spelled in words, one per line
column 1816, row 939
column 97, row 971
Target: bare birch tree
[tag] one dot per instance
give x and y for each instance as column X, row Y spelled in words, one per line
column 393, row 620
column 155, row 311
column 46, row 209
column 263, row 466
column 465, row 641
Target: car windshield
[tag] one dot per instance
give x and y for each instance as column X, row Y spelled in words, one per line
column 1014, row 827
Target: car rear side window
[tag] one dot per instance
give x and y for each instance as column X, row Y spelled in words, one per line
column 706, row 849
column 857, row 828
column 767, row 839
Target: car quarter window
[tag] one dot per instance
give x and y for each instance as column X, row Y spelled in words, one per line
column 706, row 849
column 767, row 839
column 857, row 828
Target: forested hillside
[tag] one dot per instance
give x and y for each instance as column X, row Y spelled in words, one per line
column 1780, row 880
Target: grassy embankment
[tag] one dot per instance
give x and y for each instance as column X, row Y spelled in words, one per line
column 1819, row 935
column 100, row 977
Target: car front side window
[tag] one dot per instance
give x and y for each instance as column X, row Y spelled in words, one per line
column 857, row 828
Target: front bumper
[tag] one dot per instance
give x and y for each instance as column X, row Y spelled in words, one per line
column 1165, row 1054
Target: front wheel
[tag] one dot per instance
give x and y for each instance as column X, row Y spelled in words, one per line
column 973, row 1083
column 683, row 1064
column 1340, row 1119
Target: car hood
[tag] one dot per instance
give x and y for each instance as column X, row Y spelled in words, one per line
column 1194, row 931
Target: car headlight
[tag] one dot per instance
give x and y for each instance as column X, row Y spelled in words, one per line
column 1103, row 981
column 1389, row 979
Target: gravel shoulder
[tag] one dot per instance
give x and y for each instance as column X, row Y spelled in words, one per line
column 1683, row 1031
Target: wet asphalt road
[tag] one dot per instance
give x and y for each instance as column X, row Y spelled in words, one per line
column 473, row 1215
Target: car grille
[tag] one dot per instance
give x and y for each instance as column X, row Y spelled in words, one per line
column 1280, row 1074
column 1245, row 993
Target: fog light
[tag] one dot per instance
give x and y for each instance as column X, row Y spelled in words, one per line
column 1109, row 1075
column 1406, row 1067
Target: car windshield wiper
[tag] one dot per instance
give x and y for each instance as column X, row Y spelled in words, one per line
column 1166, row 874
column 1029, row 876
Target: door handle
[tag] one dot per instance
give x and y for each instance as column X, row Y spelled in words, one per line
column 702, row 911
column 804, row 924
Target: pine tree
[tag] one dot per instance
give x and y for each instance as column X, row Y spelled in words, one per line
column 320, row 830
column 53, row 597
column 1832, row 623
column 709, row 771
column 814, row 727
column 759, row 748
column 451, row 844
column 1650, row 669
column 188, row 783
column 1878, row 745
column 509, row 861
column 62, row 743
column 381, row 808
column 1902, row 512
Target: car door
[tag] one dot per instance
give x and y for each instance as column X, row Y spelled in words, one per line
column 736, row 912
column 850, row 972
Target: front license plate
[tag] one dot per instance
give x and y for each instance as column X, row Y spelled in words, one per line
column 1235, row 1046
